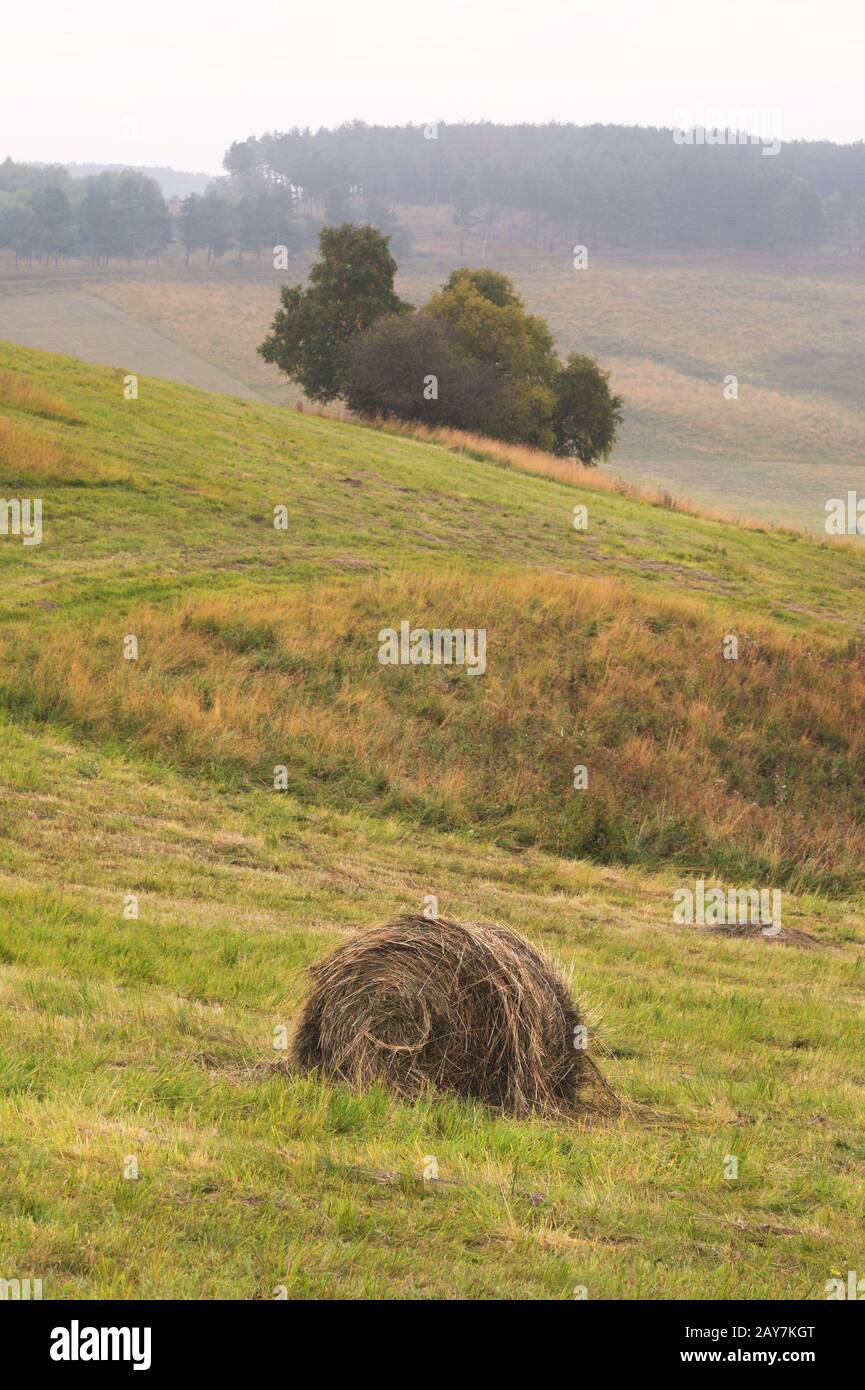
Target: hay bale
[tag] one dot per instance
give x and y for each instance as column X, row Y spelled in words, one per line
column 473, row 1010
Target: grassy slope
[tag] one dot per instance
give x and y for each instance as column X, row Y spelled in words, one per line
column 752, row 768
column 153, row 1038
column 669, row 328
column 188, row 484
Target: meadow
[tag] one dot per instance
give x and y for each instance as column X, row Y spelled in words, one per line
column 149, row 1041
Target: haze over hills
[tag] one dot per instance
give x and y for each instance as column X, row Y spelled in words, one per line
column 767, row 286
column 175, row 183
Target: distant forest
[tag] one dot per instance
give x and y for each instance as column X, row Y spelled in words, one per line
column 47, row 215
column 604, row 186
column 546, row 187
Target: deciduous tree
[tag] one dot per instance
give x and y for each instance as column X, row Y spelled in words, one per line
column 350, row 287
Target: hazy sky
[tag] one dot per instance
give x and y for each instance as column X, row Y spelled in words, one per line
column 175, row 81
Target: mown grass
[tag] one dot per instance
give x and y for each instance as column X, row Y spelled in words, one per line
column 152, row 1037
column 204, row 474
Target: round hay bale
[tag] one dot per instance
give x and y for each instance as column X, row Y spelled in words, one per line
column 473, row 1010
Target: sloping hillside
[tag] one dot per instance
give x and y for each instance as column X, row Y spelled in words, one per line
column 151, row 1036
column 259, row 641
column 671, row 328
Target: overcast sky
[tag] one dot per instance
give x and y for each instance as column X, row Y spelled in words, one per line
column 175, row 81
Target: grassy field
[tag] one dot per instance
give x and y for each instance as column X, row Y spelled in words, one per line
column 147, row 1043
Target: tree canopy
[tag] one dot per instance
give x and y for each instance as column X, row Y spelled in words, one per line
column 491, row 325
column 471, row 358
column 351, row 286
column 412, row 367
column 587, row 413
column 45, row 213
column 600, row 185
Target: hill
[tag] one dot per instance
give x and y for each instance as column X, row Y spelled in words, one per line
column 669, row 331
column 711, row 179
column 175, row 183
column 669, row 328
column 152, row 1036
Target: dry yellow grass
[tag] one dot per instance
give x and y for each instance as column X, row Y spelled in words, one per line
column 26, row 456
column 680, row 409
column 23, row 393
column 705, row 761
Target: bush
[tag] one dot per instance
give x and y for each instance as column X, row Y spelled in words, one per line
column 412, row 367
column 587, row 413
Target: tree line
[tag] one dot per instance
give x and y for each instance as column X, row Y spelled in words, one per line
column 602, row 185
column 546, row 186
column 47, row 215
column 44, row 213
column 251, row 216
column 471, row 358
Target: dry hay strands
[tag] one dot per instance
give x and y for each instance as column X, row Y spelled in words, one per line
column 468, row 1009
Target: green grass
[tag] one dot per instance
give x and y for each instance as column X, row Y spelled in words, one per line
column 152, row 1037
column 258, row 645
column 206, row 472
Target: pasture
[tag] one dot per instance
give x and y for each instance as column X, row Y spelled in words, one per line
column 160, row 899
